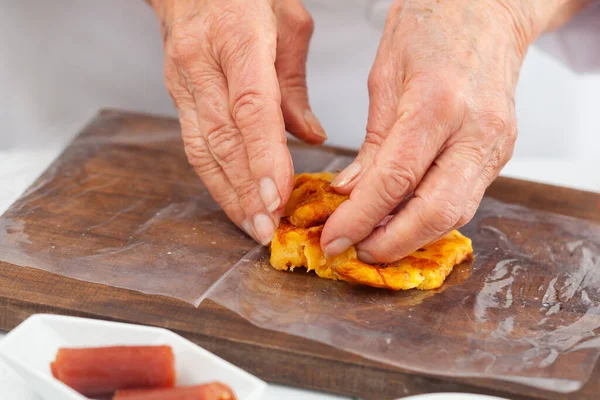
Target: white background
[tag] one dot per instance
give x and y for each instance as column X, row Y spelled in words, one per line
column 62, row 60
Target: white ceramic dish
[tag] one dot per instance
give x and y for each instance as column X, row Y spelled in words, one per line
column 452, row 396
column 31, row 346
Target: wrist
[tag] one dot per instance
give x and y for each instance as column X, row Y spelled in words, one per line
column 530, row 19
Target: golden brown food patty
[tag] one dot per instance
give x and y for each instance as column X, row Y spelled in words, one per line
column 296, row 244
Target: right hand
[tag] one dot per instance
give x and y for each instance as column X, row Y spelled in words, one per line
column 236, row 70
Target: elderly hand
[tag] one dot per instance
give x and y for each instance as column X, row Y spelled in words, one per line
column 236, row 72
column 441, row 121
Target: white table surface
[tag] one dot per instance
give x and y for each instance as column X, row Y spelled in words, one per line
column 19, row 167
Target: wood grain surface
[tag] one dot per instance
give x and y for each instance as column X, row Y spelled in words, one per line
column 273, row 356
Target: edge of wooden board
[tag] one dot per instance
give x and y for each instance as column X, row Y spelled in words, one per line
column 286, row 359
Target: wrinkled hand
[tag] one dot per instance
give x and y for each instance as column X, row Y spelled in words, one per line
column 236, row 72
column 441, row 123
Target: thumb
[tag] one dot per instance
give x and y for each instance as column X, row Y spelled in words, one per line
column 295, row 27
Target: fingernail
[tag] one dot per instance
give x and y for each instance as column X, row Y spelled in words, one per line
column 347, row 175
column 263, row 226
column 269, row 194
column 314, row 124
column 365, row 257
column 248, row 229
column 277, row 220
column 337, row 247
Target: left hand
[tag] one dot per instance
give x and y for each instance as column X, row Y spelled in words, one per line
column 441, row 122
column 236, row 70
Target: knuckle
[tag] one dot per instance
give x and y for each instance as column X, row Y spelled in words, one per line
column 182, row 46
column 495, row 123
column 206, row 84
column 469, row 211
column 436, row 86
column 246, row 191
column 189, row 126
column 444, row 101
column 435, row 100
column 446, row 95
column 491, row 169
column 293, row 84
column 378, row 81
column 475, row 154
column 178, row 95
column 508, row 146
column 443, row 216
column 247, row 109
column 373, row 82
column 171, row 75
column 396, row 182
column 366, row 220
column 225, row 143
column 497, row 160
column 374, row 139
column 197, row 154
column 512, row 132
column 464, row 219
column 294, row 16
column 258, row 148
column 229, row 204
column 504, row 156
column 303, row 23
column 383, row 245
column 467, row 216
column 446, row 215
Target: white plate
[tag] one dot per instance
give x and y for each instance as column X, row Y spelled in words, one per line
column 31, row 346
column 452, row 396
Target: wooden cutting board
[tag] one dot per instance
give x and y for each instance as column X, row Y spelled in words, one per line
column 273, row 356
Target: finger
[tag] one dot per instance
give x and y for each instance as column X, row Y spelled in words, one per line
column 204, row 164
column 450, row 194
column 255, row 106
column 225, row 142
column 346, row 180
column 437, row 206
column 400, row 164
column 295, row 28
column 220, row 137
column 500, row 156
column 385, row 89
column 211, row 173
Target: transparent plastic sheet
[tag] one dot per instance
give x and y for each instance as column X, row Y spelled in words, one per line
column 126, row 210
column 122, row 207
column 528, row 305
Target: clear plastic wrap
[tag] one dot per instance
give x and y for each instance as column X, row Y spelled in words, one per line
column 527, row 306
column 126, row 210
